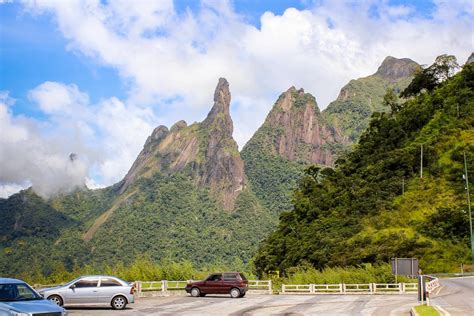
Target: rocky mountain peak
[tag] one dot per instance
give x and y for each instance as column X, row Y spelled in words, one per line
column 219, row 116
column 394, row 68
column 295, row 129
column 206, row 151
column 178, row 125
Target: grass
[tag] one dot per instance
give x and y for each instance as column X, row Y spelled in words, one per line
column 424, row 310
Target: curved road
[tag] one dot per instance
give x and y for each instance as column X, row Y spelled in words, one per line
column 456, row 296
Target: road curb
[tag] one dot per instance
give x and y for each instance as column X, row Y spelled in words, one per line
column 413, row 311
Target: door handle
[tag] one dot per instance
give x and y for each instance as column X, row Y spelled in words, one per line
column 94, row 291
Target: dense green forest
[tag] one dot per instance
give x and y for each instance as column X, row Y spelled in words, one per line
column 375, row 205
column 166, row 218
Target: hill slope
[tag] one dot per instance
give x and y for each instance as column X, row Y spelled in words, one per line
column 374, row 205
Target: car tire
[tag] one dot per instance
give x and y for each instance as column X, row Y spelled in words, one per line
column 202, row 295
column 119, row 302
column 235, row 292
column 195, row 292
column 56, row 299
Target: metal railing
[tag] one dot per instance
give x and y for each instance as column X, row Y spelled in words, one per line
column 342, row 288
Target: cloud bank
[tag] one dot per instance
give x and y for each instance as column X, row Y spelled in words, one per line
column 170, row 61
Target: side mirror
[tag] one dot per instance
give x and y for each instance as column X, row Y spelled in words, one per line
column 72, row 287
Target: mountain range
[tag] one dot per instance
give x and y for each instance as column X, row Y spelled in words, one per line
column 190, row 194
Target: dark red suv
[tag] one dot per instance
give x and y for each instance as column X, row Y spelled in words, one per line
column 233, row 283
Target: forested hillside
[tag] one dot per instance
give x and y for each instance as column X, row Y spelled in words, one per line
column 375, row 205
column 358, row 99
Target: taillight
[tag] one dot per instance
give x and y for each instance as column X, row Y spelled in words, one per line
column 132, row 289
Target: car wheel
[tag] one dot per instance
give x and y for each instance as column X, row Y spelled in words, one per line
column 234, row 292
column 56, row 299
column 119, row 302
column 195, row 292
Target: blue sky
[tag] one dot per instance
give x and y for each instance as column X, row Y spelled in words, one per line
column 96, row 79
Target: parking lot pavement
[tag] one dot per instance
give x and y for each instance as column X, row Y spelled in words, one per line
column 255, row 305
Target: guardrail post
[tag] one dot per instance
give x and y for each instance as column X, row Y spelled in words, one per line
column 270, row 290
column 283, row 288
column 370, row 288
column 402, row 287
column 311, row 288
column 164, row 286
column 138, row 285
column 342, row 287
column 374, row 287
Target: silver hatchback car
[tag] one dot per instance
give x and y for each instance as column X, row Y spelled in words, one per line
column 92, row 290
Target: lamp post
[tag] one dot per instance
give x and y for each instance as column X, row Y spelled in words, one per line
column 469, row 206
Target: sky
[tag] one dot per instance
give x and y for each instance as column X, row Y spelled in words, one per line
column 83, row 83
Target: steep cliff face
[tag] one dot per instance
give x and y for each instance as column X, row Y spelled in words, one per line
column 351, row 111
column 293, row 136
column 296, row 130
column 206, row 151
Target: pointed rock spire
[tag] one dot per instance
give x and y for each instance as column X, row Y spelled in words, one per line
column 219, row 116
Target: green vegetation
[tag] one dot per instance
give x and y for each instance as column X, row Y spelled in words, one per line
column 169, row 218
column 360, row 98
column 424, row 310
column 374, row 206
column 366, row 273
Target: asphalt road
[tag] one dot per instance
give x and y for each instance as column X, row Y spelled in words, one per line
column 456, row 296
column 256, row 305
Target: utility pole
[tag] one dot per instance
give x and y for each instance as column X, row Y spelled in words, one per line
column 469, row 206
column 421, row 162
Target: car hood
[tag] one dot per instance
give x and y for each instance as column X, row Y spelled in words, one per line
column 196, row 283
column 33, row 306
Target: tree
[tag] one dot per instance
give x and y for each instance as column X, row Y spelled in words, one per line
column 444, row 67
column 390, row 99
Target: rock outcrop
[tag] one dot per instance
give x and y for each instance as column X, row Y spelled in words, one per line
column 394, row 68
column 206, row 151
column 296, row 130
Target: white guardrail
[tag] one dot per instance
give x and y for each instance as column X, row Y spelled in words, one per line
column 432, row 285
column 367, row 288
column 165, row 287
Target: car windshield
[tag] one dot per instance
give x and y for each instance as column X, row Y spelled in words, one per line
column 17, row 292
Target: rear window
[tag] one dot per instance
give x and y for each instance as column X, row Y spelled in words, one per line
column 243, row 277
column 109, row 282
column 231, row 277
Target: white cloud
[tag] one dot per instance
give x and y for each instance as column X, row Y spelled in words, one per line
column 105, row 137
column 54, row 98
column 27, row 157
column 171, row 62
column 165, row 55
column 8, row 189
